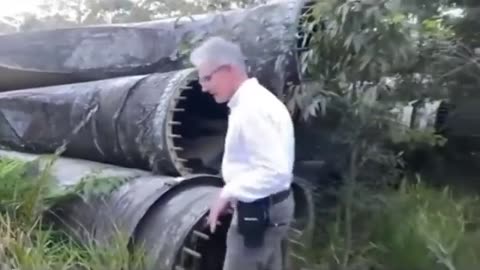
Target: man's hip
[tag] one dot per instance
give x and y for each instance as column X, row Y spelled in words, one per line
column 267, row 253
column 277, row 204
column 253, row 219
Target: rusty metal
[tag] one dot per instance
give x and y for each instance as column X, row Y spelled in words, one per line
column 268, row 34
column 161, row 122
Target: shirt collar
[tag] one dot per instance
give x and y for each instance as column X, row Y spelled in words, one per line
column 234, row 100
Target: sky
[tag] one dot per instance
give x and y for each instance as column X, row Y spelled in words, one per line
column 11, row 7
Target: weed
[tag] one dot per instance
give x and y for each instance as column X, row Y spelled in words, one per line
column 27, row 191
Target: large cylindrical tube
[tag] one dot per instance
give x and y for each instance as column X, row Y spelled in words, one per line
column 165, row 217
column 161, row 122
column 268, row 34
column 160, row 215
column 60, row 56
column 71, row 171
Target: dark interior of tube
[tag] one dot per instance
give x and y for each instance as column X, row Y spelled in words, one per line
column 212, row 250
column 202, row 130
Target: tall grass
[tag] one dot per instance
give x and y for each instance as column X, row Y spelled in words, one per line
column 28, row 242
column 414, row 228
column 426, row 228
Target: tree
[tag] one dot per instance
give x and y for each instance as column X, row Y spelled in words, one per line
column 360, row 56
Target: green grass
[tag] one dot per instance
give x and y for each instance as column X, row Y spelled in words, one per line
column 27, row 242
column 414, row 228
column 423, row 228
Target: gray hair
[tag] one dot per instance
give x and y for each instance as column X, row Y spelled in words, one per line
column 219, row 51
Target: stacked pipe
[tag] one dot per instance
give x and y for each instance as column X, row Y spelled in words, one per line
column 123, row 97
column 268, row 34
column 161, row 122
column 160, row 214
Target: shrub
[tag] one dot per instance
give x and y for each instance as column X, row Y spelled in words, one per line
column 416, row 228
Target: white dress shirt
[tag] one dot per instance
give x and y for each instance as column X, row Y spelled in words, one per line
column 259, row 145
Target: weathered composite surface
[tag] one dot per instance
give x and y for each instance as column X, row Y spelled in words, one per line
column 267, row 34
column 161, row 122
column 160, row 214
column 124, row 100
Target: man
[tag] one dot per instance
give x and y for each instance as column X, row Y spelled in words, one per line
column 257, row 162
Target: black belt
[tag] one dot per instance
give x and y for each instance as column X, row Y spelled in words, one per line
column 279, row 196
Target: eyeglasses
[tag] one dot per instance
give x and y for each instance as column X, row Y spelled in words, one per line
column 208, row 77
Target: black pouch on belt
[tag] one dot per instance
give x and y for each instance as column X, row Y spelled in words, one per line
column 253, row 221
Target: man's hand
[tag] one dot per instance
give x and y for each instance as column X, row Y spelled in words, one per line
column 218, row 207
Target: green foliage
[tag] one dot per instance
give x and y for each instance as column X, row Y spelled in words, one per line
column 27, row 190
column 91, row 186
column 390, row 49
column 354, row 45
column 416, row 227
column 22, row 189
column 359, row 41
column 414, row 139
column 435, row 27
column 420, row 228
column 38, row 248
column 363, row 58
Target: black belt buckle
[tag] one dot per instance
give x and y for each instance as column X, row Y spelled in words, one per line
column 253, row 221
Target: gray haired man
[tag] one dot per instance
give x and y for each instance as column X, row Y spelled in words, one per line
column 257, row 161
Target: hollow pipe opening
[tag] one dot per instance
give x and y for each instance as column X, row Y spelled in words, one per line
column 197, row 128
column 203, row 250
column 174, row 232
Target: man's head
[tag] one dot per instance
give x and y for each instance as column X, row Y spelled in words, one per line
column 221, row 67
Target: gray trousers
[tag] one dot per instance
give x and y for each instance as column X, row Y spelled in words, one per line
column 270, row 255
